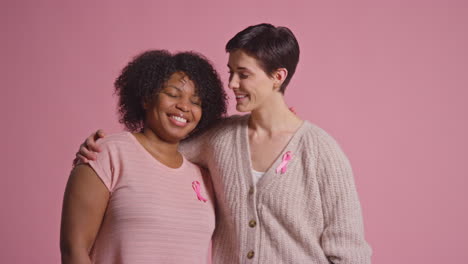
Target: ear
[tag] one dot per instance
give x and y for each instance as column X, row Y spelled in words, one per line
column 279, row 76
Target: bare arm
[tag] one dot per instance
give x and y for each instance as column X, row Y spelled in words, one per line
column 84, row 205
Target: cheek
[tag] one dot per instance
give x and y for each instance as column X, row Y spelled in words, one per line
column 197, row 113
column 157, row 112
column 265, row 86
column 255, row 85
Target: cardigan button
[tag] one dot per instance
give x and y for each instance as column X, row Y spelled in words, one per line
column 251, row 190
column 252, row 223
column 251, row 254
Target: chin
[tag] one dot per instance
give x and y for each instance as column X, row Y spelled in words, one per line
column 179, row 137
column 242, row 108
column 175, row 139
column 175, row 136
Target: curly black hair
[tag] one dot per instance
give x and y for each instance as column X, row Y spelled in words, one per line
column 146, row 74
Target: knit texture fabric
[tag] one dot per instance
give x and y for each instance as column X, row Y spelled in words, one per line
column 154, row 215
column 308, row 214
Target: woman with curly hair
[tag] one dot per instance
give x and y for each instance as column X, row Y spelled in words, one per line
column 140, row 200
column 284, row 189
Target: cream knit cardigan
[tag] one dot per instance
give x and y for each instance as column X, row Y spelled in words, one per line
column 309, row 214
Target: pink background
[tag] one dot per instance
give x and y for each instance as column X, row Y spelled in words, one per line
column 388, row 79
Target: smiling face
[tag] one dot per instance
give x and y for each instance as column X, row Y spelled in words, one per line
column 176, row 110
column 250, row 84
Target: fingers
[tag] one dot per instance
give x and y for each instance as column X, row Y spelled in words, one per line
column 90, row 142
column 89, row 148
column 100, row 134
column 86, row 153
column 91, row 145
column 80, row 159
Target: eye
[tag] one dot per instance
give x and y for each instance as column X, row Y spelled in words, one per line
column 173, row 95
column 243, row 76
column 171, row 92
column 196, row 101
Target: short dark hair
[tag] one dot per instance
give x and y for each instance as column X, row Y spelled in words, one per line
column 274, row 48
column 146, row 74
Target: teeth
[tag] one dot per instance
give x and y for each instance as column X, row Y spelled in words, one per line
column 240, row 96
column 180, row 119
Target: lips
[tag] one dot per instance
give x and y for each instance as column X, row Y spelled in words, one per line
column 240, row 97
column 178, row 120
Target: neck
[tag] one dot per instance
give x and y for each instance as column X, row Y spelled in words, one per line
column 274, row 116
column 156, row 144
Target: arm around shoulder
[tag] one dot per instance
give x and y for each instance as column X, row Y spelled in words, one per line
column 197, row 149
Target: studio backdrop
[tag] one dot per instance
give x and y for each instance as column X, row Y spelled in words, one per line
column 387, row 79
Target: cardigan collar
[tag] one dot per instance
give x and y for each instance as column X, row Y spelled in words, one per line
column 270, row 174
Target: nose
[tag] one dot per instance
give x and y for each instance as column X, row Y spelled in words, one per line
column 183, row 105
column 233, row 82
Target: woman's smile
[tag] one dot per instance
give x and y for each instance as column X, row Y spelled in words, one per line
column 178, row 120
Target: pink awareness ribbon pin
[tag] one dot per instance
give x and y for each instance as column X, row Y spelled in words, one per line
column 196, row 188
column 283, row 166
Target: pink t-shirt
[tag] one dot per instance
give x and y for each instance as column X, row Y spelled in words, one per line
column 154, row 214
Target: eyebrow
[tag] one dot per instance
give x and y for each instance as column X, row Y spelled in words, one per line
column 240, row 68
column 193, row 95
column 173, row 86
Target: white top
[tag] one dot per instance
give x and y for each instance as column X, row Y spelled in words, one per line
column 256, row 175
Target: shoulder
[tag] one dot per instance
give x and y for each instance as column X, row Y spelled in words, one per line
column 112, row 157
column 316, row 138
column 234, row 119
column 229, row 124
column 117, row 141
column 317, row 134
column 223, row 128
column 328, row 150
column 116, row 138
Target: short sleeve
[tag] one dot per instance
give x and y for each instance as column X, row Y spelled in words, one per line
column 104, row 164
